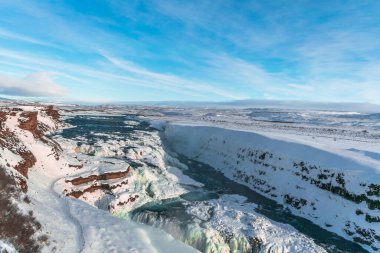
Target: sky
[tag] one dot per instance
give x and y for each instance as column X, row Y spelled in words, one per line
column 163, row 50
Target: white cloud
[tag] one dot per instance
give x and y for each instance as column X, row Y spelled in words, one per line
column 170, row 81
column 301, row 87
column 15, row 36
column 333, row 60
column 36, row 85
column 120, row 72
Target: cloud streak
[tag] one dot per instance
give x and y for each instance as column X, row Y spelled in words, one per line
column 170, row 81
column 197, row 50
column 35, row 85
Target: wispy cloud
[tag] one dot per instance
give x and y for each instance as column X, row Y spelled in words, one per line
column 198, row 50
column 121, row 72
column 301, row 87
column 19, row 37
column 35, row 85
column 169, row 81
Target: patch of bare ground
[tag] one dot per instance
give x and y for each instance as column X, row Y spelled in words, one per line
column 28, row 161
column 105, row 176
column 16, row 227
column 76, row 166
column 9, row 140
column 29, row 121
column 53, row 113
column 130, row 199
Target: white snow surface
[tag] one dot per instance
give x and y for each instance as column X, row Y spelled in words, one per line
column 232, row 215
column 221, row 141
column 73, row 225
column 160, row 174
column 230, row 151
column 6, row 247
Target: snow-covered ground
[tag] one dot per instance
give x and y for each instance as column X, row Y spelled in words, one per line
column 323, row 166
column 6, row 247
column 72, row 225
column 155, row 176
column 231, row 214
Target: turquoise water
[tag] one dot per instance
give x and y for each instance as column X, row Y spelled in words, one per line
column 170, row 215
column 215, row 181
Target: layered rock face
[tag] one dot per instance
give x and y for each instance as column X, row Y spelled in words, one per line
column 103, row 180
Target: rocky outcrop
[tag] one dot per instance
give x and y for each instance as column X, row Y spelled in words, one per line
column 28, row 161
column 106, row 187
column 16, row 226
column 77, row 166
column 28, row 121
column 101, row 180
column 8, row 140
column 132, row 198
column 54, row 114
column 19, row 227
column 105, row 176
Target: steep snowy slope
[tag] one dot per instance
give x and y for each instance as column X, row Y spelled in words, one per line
column 34, row 163
column 328, row 183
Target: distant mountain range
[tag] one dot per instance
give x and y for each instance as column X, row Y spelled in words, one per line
column 248, row 103
column 5, row 99
column 285, row 104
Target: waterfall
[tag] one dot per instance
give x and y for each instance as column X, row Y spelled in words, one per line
column 206, row 240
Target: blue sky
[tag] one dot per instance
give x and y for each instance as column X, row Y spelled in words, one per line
column 104, row 51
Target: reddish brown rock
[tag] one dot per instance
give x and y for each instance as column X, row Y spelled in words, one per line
column 105, row 176
column 3, row 116
column 18, row 228
column 131, row 199
column 28, row 161
column 28, row 121
column 114, row 186
column 54, row 114
column 80, row 166
column 92, row 188
column 16, row 109
column 10, row 141
column 21, row 183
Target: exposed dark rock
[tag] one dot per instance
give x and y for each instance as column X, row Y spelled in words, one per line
column 105, row 176
column 15, row 227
